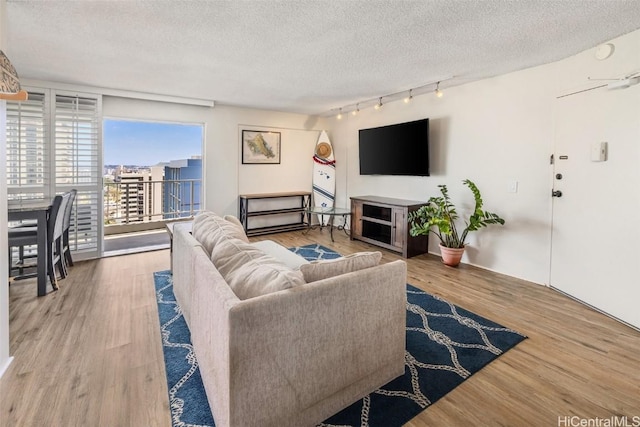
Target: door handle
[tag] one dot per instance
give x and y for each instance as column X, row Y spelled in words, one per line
column 556, row 193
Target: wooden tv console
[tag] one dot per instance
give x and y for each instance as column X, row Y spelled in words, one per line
column 383, row 221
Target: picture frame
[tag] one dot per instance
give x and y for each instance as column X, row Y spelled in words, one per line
column 260, row 147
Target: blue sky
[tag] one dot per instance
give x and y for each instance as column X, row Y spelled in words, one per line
column 148, row 143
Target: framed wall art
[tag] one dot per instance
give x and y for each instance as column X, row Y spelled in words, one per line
column 260, row 147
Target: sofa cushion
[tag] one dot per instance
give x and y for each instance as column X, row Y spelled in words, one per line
column 282, row 254
column 250, row 272
column 209, row 229
column 318, row 270
column 234, row 220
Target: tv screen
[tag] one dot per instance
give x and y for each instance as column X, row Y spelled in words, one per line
column 400, row 149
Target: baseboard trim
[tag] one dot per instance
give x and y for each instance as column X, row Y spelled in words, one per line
column 4, row 367
column 135, row 250
column 596, row 309
column 493, row 270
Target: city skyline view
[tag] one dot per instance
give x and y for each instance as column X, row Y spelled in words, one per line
column 141, row 143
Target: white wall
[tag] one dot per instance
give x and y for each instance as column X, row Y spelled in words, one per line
column 492, row 132
column 4, row 290
column 294, row 173
column 226, row 177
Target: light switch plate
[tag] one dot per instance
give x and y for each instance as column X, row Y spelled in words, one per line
column 599, row 152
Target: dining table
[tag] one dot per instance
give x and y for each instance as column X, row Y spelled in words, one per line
column 38, row 211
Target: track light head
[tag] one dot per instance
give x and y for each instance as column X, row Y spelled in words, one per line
column 409, row 98
column 439, row 93
column 379, row 104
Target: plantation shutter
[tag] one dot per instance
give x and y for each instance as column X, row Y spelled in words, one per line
column 28, row 162
column 77, row 144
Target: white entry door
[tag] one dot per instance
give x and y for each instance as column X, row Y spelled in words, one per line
column 596, row 221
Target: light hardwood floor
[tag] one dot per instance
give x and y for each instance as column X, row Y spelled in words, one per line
column 90, row 353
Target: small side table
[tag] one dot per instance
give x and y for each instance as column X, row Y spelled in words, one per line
column 331, row 213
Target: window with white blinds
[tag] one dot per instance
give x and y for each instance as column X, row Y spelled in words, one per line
column 77, row 135
column 28, row 163
column 53, row 145
column 76, row 141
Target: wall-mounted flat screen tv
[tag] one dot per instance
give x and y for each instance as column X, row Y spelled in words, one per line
column 399, row 149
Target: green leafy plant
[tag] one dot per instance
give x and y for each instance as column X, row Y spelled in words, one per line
column 439, row 216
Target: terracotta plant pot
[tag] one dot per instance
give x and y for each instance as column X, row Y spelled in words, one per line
column 451, row 256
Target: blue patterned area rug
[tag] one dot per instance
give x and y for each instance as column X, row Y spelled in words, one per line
column 445, row 346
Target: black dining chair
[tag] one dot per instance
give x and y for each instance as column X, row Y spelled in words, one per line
column 66, row 225
column 26, row 236
column 66, row 249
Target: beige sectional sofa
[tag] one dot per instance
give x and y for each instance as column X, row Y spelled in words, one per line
column 286, row 352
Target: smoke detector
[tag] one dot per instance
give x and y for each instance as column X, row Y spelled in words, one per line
column 604, row 51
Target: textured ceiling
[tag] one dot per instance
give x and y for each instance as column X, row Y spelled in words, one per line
column 306, row 56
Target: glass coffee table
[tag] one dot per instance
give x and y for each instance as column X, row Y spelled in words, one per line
column 331, row 214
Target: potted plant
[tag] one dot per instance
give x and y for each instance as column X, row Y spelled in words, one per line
column 439, row 217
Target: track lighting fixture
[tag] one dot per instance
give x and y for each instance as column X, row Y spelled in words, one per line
column 409, row 98
column 377, row 102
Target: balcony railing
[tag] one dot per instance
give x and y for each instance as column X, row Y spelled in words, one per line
column 132, row 205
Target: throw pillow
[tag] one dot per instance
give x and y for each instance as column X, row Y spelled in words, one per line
column 250, row 272
column 323, row 269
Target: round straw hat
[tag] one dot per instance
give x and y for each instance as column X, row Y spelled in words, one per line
column 323, row 150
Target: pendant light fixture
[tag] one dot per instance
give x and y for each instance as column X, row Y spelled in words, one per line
column 379, row 104
column 10, row 83
column 439, row 93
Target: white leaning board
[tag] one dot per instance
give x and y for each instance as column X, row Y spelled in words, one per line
column 324, row 178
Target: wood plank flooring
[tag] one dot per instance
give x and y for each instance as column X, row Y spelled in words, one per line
column 90, row 354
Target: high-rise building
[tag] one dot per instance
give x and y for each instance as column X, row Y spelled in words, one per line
column 182, row 184
column 141, row 195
